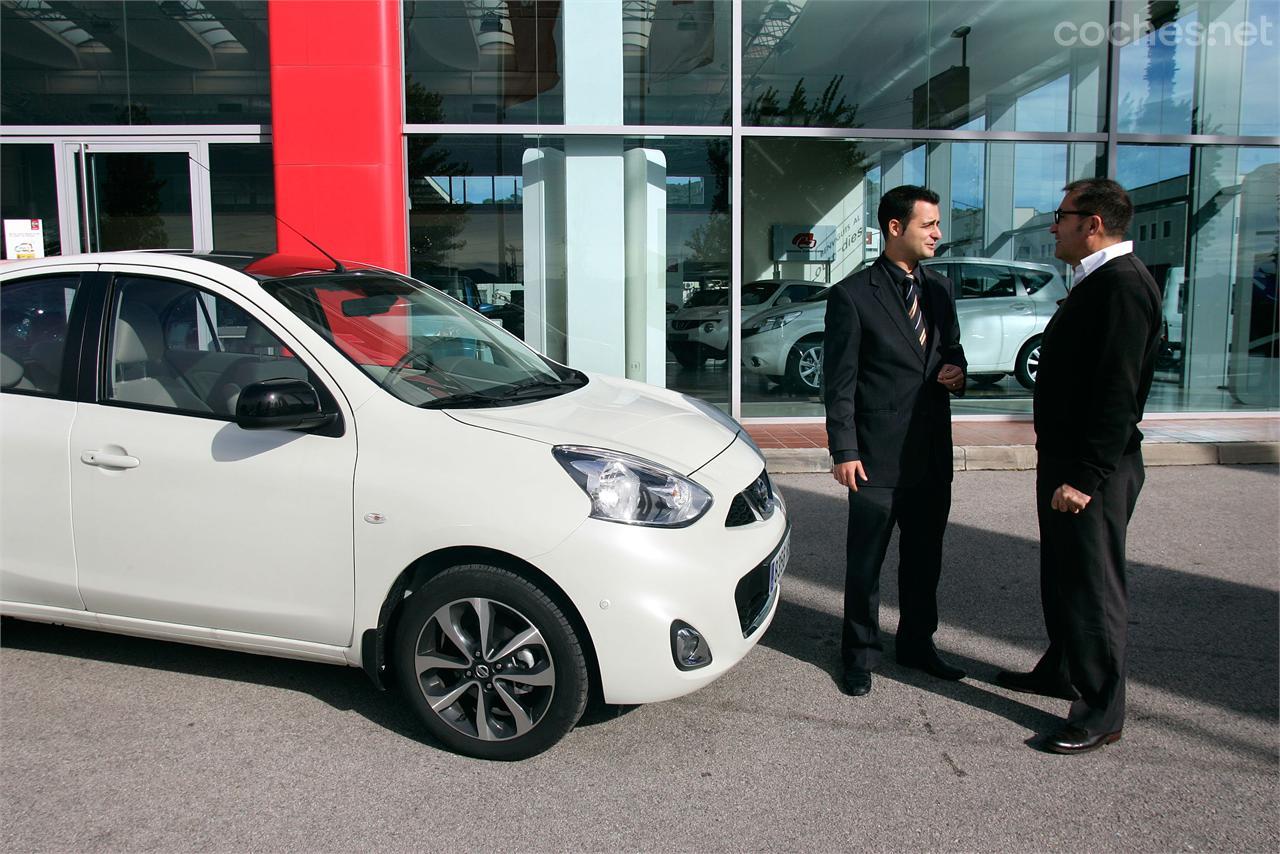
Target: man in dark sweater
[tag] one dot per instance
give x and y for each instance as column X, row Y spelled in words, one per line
column 1097, row 359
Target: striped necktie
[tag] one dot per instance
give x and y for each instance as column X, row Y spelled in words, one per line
column 915, row 317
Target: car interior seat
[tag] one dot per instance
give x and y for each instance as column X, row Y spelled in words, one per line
column 140, row 374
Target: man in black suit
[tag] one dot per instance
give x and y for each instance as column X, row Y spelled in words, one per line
column 1097, row 359
column 892, row 354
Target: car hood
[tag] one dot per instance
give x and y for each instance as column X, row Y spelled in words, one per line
column 614, row 414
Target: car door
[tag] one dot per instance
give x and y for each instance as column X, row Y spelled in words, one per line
column 183, row 517
column 38, row 349
column 994, row 318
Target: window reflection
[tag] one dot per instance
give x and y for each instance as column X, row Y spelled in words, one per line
column 1205, row 224
column 676, row 61
column 483, row 62
column 177, row 62
column 934, row 64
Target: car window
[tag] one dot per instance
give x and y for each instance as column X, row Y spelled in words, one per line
column 978, row 281
column 756, row 293
column 33, row 331
column 174, row 346
column 1034, row 280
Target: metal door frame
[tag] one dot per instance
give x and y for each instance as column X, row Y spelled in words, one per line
column 73, row 202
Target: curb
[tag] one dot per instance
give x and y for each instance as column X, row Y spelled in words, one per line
column 1023, row 457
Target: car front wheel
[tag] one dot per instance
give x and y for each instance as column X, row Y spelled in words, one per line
column 1028, row 364
column 804, row 366
column 490, row 664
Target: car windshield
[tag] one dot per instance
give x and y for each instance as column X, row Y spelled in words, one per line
column 703, row 299
column 421, row 346
column 758, row 292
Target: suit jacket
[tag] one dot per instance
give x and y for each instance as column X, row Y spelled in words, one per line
column 884, row 403
column 1097, row 359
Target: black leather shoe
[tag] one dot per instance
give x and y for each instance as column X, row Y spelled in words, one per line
column 930, row 663
column 856, row 682
column 1072, row 739
column 1034, row 683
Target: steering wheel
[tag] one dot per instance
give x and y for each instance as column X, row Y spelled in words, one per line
column 419, row 353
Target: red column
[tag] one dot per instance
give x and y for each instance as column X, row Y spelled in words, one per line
column 336, row 105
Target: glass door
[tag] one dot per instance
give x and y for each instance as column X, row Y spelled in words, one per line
column 135, row 196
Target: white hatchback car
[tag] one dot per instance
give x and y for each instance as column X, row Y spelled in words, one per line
column 1003, row 308
column 700, row 330
column 341, row 464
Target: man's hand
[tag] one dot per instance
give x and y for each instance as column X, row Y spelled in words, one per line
column 951, row 377
column 1068, row 499
column 847, row 474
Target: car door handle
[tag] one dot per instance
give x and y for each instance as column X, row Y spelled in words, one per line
column 111, row 461
column 1020, row 307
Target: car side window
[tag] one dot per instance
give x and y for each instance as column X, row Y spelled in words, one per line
column 177, row 347
column 978, row 281
column 33, row 332
column 1034, row 280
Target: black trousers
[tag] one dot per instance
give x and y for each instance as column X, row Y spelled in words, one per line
column 920, row 513
column 1083, row 592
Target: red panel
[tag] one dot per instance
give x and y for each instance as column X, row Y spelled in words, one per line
column 336, row 87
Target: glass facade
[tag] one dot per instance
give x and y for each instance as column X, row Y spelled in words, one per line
column 994, row 106
column 612, row 182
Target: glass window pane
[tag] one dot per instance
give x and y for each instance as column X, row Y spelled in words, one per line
column 1199, row 67
column 242, row 182
column 483, row 62
column 29, row 191
column 190, row 62
column 996, row 201
column 33, row 327
column 934, row 64
column 1214, row 258
column 675, row 58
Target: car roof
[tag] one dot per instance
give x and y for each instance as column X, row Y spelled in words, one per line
column 258, row 265
column 998, row 262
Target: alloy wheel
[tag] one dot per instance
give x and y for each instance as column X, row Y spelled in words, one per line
column 485, row 669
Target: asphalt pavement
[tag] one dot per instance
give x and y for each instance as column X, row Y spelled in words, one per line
column 110, row 743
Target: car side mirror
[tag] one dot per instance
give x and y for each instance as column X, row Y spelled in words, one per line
column 280, row 404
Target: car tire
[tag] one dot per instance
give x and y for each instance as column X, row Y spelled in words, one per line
column 1028, row 363
column 497, row 697
column 688, row 355
column 804, row 366
column 986, row 379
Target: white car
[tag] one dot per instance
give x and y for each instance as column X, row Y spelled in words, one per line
column 700, row 330
column 340, row 464
column 1003, row 308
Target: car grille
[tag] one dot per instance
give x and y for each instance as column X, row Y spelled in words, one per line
column 752, row 594
column 684, row 325
column 753, row 504
column 748, row 331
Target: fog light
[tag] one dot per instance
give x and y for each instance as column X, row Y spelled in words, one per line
column 709, row 327
column 688, row 647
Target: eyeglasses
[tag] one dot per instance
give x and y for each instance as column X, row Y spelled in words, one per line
column 1059, row 214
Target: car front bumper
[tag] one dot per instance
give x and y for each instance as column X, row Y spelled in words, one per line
column 631, row 583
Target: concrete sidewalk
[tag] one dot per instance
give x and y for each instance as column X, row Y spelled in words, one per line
column 800, row 446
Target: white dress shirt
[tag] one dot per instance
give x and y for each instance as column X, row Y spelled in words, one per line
column 1092, row 262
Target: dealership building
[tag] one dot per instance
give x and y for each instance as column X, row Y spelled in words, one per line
column 658, row 189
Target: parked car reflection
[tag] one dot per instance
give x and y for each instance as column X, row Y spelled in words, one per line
column 1003, row 308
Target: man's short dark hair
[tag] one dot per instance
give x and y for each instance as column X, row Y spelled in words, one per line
column 899, row 202
column 1105, row 199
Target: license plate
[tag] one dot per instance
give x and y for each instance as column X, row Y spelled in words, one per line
column 778, row 565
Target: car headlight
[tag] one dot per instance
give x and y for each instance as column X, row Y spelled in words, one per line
column 778, row 321
column 627, row 489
